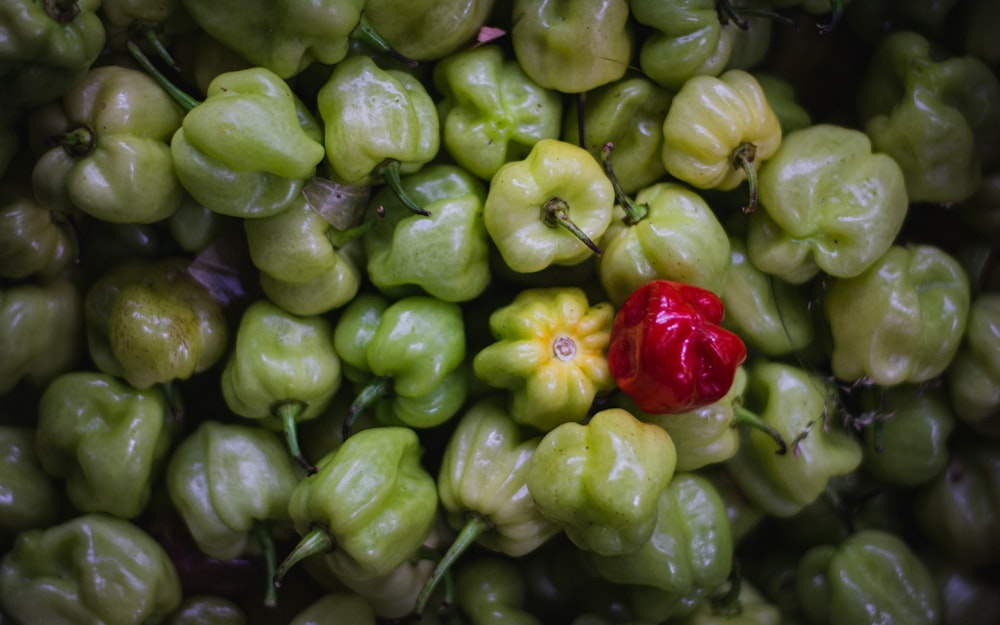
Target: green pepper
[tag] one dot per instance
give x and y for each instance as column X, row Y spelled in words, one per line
column 908, row 442
column 31, row 498
column 41, row 331
column 47, row 48
column 282, row 370
column 627, row 113
column 668, row 232
column 492, row 590
column 973, row 377
column 978, row 21
column 550, row 352
column 967, row 596
column 958, row 508
column 916, row 302
column 601, row 481
column 548, row 208
column 427, row 30
column 445, row 254
column 107, row 440
column 207, row 610
column 193, row 226
column 718, row 131
column 152, row 322
column 872, row 576
column 304, row 268
column 797, row 404
column 688, row 557
column 336, row 608
column 771, row 315
column 572, row 46
column 490, row 111
column 939, row 119
column 745, row 606
column 782, row 97
column 702, row 436
column 393, row 596
column 369, row 506
column 282, row 39
column 207, row 477
column 93, row 568
column 111, row 157
column 407, row 354
column 379, row 124
column 829, row 204
column 35, row 240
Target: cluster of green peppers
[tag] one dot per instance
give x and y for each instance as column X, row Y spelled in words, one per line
column 475, row 311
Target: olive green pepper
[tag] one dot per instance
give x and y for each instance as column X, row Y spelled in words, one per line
column 35, row 240
column 31, row 497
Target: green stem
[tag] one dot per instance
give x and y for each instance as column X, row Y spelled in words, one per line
column 61, row 11
column 744, row 416
column 555, row 214
column 318, row 540
column 448, row 600
column 184, row 100
column 288, row 413
column 474, row 526
column 367, row 34
column 389, row 169
column 149, row 32
column 737, row 15
column 379, row 387
column 263, row 536
column 634, row 212
column 78, row 142
column 728, row 604
column 743, row 158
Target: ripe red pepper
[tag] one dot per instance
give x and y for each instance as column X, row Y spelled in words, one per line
column 667, row 350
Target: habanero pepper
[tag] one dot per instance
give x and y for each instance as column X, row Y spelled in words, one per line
column 667, row 350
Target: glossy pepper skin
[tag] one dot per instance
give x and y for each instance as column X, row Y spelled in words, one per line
column 372, row 498
column 490, row 590
column 549, row 352
column 917, row 301
column 35, row 240
column 248, row 148
column 973, row 377
column 407, row 356
column 490, row 111
column 207, row 610
column 47, row 50
column 112, row 160
column 572, row 47
column 107, row 440
column 31, row 498
column 444, row 254
column 283, row 39
column 93, row 568
column 302, row 268
column 718, row 127
column 828, row 203
column 748, row 607
column 41, row 332
column 207, row 479
column 686, row 559
column 428, row 30
column 601, row 481
column 151, row 322
column 796, row 403
column 871, row 576
column 336, row 608
column 939, row 119
column 667, row 350
column 374, row 116
column 668, row 232
column 530, row 201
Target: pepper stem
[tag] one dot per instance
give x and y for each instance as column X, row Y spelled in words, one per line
column 744, row 416
column 184, row 100
column 148, row 32
column 317, row 540
column 737, row 15
column 743, row 158
column 367, row 34
column 728, row 604
column 78, row 142
column 288, row 412
column 62, row 11
column 427, row 553
column 475, row 525
column 266, row 543
column 389, row 169
column 634, row 212
column 379, row 387
column 555, row 214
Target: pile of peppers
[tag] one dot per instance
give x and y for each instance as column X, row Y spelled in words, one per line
column 459, row 312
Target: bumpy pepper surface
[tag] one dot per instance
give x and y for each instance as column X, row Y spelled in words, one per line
column 34, row 239
column 32, row 499
column 973, row 377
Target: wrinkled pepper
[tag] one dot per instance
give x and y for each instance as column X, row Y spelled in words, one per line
column 549, row 353
column 829, row 203
column 973, row 377
column 31, row 497
column 207, row 610
column 93, row 568
column 489, row 590
column 336, row 608
column 916, row 302
column 427, row 30
column 601, row 481
column 34, row 239
column 667, row 350
column 490, row 111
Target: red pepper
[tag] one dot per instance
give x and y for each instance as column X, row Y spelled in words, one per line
column 667, row 350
